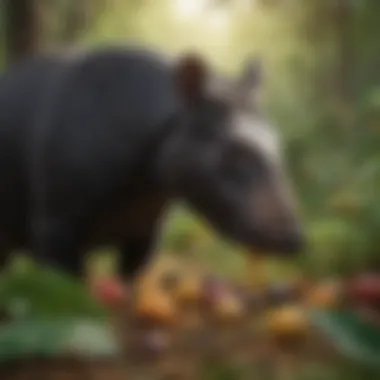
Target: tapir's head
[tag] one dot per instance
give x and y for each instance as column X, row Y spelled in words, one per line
column 226, row 160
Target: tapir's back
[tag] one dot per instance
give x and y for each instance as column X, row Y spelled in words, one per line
column 128, row 90
column 76, row 128
column 22, row 90
column 107, row 112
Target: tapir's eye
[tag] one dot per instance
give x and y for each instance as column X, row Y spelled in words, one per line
column 237, row 160
column 239, row 154
column 242, row 163
column 241, row 157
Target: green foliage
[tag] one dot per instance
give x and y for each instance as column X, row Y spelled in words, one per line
column 331, row 137
column 218, row 371
column 336, row 246
column 51, row 338
column 331, row 145
column 31, row 292
column 358, row 341
column 187, row 234
column 48, row 314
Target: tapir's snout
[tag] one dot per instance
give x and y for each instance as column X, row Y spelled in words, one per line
column 291, row 240
column 287, row 242
column 278, row 227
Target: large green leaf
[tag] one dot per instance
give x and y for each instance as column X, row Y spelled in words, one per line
column 44, row 293
column 353, row 337
column 51, row 338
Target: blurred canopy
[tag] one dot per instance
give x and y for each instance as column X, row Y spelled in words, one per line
column 321, row 60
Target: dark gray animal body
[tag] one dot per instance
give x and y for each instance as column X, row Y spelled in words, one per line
column 92, row 148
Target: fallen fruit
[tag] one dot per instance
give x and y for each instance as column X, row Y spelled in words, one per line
column 324, row 295
column 229, row 308
column 364, row 289
column 287, row 320
column 154, row 306
column 189, row 289
column 109, row 291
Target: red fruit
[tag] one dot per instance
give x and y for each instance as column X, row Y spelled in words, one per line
column 109, row 291
column 213, row 289
column 365, row 288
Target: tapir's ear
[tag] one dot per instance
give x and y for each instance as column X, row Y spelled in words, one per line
column 191, row 75
column 249, row 84
column 251, row 76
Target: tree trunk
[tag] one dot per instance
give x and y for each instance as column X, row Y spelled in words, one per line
column 79, row 16
column 22, row 29
column 346, row 56
column 76, row 20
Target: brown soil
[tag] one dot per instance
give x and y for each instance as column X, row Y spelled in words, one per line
column 184, row 352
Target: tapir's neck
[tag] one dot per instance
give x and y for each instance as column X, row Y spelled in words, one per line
column 164, row 156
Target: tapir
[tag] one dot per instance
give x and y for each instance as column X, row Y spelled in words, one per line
column 94, row 147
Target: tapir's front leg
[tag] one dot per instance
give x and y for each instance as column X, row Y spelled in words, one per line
column 135, row 253
column 55, row 244
column 139, row 244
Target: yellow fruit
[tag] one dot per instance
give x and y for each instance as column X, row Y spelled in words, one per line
column 323, row 295
column 229, row 308
column 189, row 289
column 288, row 320
column 153, row 305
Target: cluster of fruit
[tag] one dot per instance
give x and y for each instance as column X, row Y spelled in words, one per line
column 362, row 293
column 161, row 303
column 171, row 299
